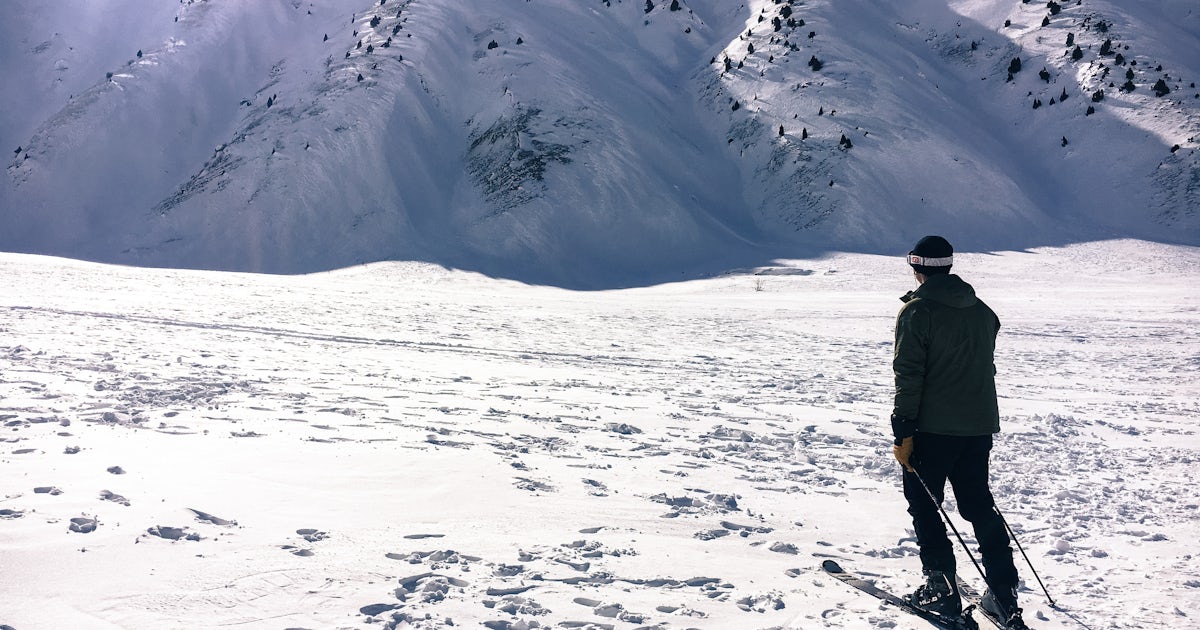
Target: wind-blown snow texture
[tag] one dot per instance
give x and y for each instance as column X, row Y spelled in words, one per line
column 587, row 142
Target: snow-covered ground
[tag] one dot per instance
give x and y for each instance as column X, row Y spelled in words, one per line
column 414, row 445
column 589, row 143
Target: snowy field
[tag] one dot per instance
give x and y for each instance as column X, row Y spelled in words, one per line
column 402, row 445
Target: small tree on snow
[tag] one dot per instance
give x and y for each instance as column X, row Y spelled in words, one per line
column 649, row 6
column 1161, row 89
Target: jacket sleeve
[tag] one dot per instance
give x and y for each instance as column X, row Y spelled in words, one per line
column 908, row 362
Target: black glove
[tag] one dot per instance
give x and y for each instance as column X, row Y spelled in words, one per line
column 902, row 428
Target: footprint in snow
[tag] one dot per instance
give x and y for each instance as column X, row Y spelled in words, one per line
column 106, row 495
column 173, row 533
column 209, row 518
column 84, row 524
column 312, row 535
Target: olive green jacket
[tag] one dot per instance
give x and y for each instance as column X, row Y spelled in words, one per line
column 945, row 370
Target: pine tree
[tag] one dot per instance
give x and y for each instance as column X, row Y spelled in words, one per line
column 804, row 133
column 1014, row 66
column 1161, row 89
column 780, row 131
column 736, row 106
column 649, row 6
column 1090, row 110
column 750, row 48
column 1064, row 141
column 815, row 64
column 1045, row 75
column 1062, row 97
column 1077, row 54
column 139, row 54
column 1070, row 39
column 675, row 5
column 1106, row 47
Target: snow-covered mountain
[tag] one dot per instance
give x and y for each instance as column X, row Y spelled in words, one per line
column 590, row 142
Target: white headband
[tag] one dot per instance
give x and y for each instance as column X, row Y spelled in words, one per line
column 914, row 259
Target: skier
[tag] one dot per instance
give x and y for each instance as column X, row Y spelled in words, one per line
column 943, row 419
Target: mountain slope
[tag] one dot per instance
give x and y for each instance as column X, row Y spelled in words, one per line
column 588, row 143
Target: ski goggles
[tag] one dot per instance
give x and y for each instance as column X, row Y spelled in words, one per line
column 923, row 261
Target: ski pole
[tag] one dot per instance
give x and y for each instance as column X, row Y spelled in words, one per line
column 1023, row 554
column 946, row 518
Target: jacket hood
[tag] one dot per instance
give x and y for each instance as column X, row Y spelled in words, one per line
column 946, row 289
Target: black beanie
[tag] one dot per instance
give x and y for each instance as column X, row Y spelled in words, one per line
column 931, row 255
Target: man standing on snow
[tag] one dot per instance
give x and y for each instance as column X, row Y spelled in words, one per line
column 944, row 416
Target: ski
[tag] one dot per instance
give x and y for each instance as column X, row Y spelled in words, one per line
column 963, row 622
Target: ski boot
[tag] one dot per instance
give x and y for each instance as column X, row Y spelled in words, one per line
column 939, row 594
column 1003, row 609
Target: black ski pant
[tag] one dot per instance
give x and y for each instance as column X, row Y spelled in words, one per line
column 963, row 461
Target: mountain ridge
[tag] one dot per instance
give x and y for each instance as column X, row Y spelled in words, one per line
column 594, row 144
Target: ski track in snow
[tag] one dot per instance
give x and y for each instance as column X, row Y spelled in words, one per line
column 410, row 445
